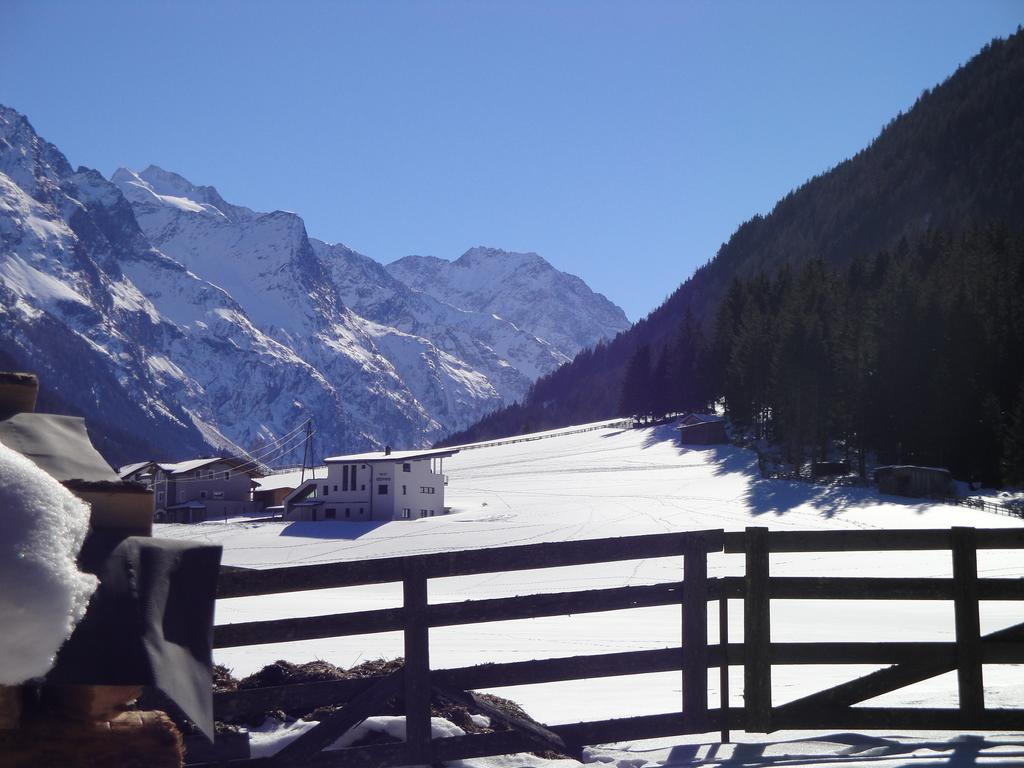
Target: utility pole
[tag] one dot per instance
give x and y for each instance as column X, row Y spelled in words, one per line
column 307, row 453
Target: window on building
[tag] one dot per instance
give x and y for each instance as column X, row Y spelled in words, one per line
column 348, row 512
column 202, row 494
column 335, row 489
column 360, row 510
column 423, row 513
column 330, row 514
column 403, row 490
column 363, row 487
column 427, row 489
column 382, row 490
column 325, row 490
column 227, row 475
column 407, row 467
column 406, row 512
column 344, row 477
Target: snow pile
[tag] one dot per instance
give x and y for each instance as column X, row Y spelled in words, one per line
column 42, row 526
column 273, row 735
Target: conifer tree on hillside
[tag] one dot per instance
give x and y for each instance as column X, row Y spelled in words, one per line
column 637, row 390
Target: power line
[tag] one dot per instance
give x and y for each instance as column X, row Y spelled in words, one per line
column 274, row 452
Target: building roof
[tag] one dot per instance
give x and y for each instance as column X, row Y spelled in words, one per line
column 700, row 418
column 183, row 467
column 395, row 456
column 129, row 469
column 291, row 479
column 57, row 444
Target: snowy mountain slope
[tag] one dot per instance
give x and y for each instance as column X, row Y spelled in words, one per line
column 610, row 483
column 181, row 324
column 269, row 266
column 171, row 375
column 67, row 311
column 510, row 357
column 522, row 288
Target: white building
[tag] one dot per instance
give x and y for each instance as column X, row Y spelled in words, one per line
column 393, row 485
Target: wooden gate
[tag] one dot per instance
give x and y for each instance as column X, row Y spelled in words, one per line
column 911, row 662
column 416, row 684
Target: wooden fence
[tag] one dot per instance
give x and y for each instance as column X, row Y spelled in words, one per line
column 416, row 684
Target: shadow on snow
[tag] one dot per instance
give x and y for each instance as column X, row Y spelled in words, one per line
column 331, row 529
column 849, row 748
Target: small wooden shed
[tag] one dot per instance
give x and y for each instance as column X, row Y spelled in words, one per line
column 702, row 429
column 913, row 481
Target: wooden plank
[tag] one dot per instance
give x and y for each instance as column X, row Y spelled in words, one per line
column 371, row 701
column 757, row 667
column 462, row 563
column 875, row 541
column 859, row 653
column 868, row 588
column 695, row 636
column 446, row 614
column 858, row 588
column 846, row 541
column 968, row 624
column 417, row 662
column 898, row 718
column 888, row 679
column 999, row 538
column 558, row 669
column 553, row 604
column 307, row 628
column 540, row 736
column 723, row 665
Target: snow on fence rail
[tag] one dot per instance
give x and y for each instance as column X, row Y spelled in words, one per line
column 416, row 684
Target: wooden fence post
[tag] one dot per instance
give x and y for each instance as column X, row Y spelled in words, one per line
column 695, row 634
column 417, row 663
column 757, row 666
column 968, row 625
column 723, row 670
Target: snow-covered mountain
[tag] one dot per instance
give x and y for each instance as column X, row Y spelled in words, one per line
column 520, row 287
column 179, row 323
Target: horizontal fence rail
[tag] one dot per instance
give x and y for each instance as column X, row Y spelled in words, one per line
column 416, row 684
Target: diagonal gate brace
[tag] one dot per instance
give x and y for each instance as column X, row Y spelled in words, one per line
column 889, row 679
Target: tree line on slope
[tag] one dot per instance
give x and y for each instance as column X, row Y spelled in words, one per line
column 911, row 355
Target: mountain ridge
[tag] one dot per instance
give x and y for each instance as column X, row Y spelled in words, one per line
column 181, row 324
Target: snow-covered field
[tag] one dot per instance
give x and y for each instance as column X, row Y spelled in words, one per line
column 613, row 482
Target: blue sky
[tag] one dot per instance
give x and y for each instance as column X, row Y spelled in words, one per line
column 622, row 141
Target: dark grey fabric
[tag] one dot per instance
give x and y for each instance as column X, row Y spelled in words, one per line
column 150, row 622
column 58, row 444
